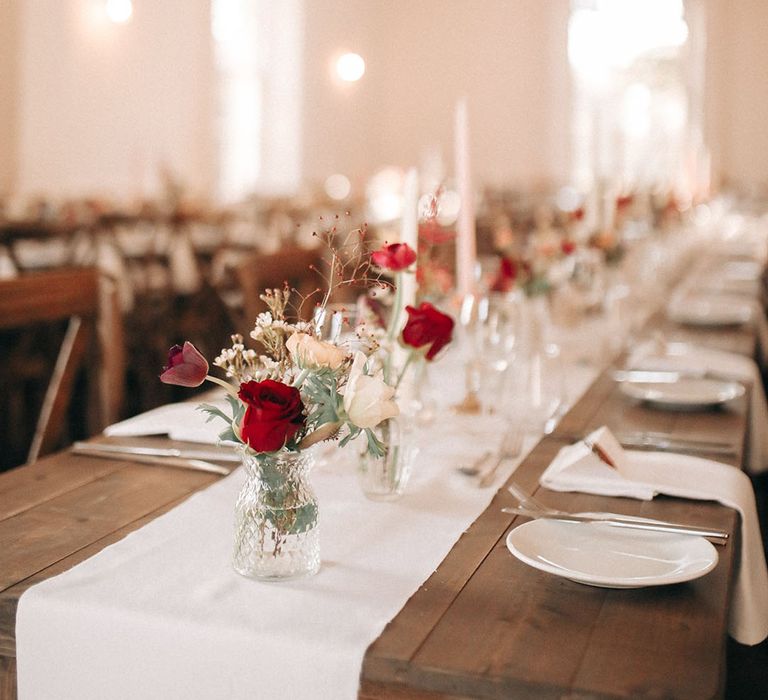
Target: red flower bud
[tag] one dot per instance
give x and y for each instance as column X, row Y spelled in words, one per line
column 567, row 247
column 274, row 414
column 505, row 277
column 427, row 329
column 186, row 366
column 395, row 257
column 624, row 201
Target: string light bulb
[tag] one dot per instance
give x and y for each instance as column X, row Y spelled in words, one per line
column 119, row 11
column 350, row 67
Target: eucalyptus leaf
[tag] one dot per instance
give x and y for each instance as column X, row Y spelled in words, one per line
column 213, row 412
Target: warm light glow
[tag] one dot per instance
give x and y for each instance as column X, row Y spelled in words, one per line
column 612, row 34
column 119, row 11
column 350, row 67
column 337, row 186
column 384, row 193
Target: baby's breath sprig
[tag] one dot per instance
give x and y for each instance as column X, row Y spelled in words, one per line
column 239, row 362
column 347, row 264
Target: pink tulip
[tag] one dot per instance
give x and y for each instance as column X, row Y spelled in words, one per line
column 186, row 366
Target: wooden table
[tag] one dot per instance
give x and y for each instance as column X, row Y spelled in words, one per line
column 484, row 624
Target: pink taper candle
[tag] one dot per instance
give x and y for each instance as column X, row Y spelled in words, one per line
column 465, row 233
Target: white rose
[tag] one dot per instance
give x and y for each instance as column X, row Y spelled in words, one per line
column 308, row 351
column 368, row 400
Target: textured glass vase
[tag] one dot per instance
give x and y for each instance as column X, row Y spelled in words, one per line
column 276, row 531
column 385, row 478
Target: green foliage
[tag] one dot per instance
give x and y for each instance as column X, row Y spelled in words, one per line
column 238, row 409
column 214, row 412
column 320, row 388
column 376, row 447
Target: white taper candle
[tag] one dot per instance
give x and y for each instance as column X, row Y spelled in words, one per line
column 465, row 233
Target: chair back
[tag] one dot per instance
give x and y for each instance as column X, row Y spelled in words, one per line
column 87, row 304
column 297, row 267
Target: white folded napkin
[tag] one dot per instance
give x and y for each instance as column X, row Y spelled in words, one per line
column 180, row 421
column 683, row 357
column 643, row 475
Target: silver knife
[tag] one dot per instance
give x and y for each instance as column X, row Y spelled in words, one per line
column 197, row 464
column 718, row 536
column 673, row 445
column 218, row 455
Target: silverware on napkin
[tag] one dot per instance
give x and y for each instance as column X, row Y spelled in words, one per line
column 219, row 455
column 179, row 462
column 664, row 442
column 716, row 536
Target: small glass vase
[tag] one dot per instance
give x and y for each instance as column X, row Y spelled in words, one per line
column 276, row 529
column 385, row 478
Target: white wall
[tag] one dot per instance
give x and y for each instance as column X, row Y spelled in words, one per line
column 342, row 121
column 98, row 107
column 508, row 58
column 102, row 105
column 737, row 91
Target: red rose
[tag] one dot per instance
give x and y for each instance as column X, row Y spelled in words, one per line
column 395, row 257
column 186, row 366
column 274, row 414
column 427, row 329
column 505, row 277
column 567, row 247
column 577, row 214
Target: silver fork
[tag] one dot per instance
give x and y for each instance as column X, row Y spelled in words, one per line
column 511, row 446
column 529, row 502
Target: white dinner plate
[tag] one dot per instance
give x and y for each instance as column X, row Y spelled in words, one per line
column 601, row 555
column 714, row 311
column 684, row 394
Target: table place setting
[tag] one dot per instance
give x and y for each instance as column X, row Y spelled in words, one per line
column 725, row 373
column 612, row 552
column 644, row 475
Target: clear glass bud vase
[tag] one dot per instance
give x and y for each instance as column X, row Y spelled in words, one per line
column 385, row 478
column 276, row 530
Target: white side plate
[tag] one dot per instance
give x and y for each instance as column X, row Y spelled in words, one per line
column 601, row 555
column 685, row 393
column 711, row 311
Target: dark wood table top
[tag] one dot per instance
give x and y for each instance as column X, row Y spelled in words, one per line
column 484, row 624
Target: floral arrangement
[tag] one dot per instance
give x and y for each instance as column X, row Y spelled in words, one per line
column 433, row 272
column 541, row 268
column 609, row 243
column 296, row 389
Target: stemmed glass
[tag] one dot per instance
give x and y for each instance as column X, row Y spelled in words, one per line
column 497, row 336
column 489, row 331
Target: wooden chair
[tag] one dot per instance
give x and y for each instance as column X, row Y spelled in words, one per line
column 258, row 271
column 86, row 302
